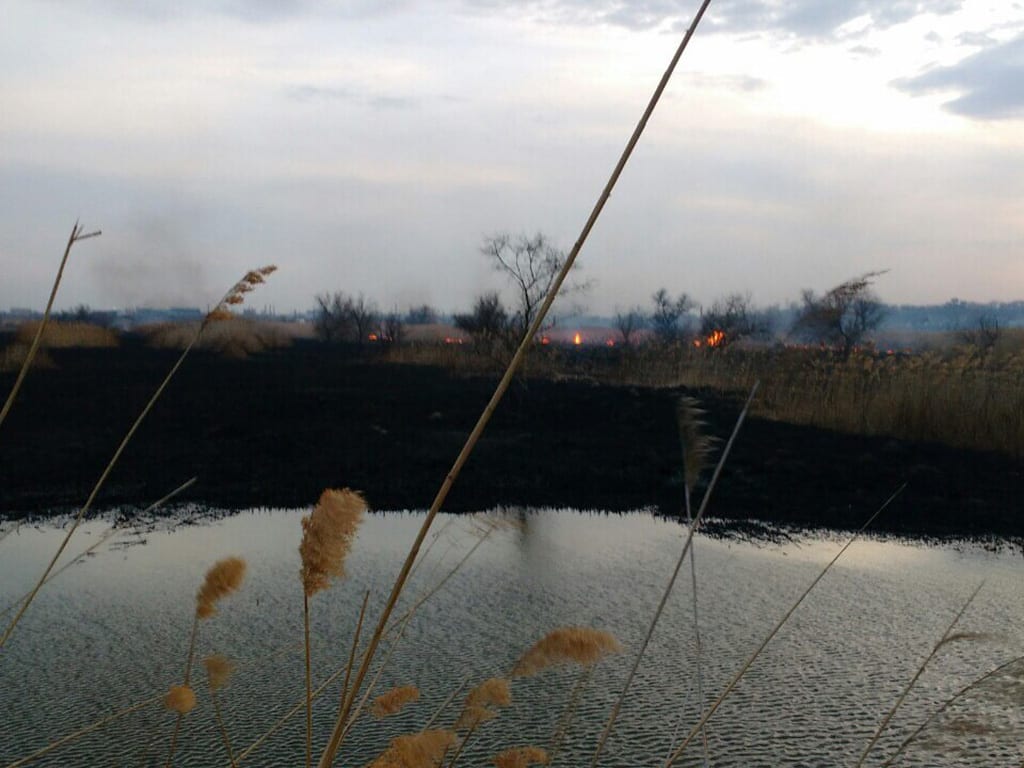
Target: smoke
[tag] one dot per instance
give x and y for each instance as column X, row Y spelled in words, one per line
column 153, row 264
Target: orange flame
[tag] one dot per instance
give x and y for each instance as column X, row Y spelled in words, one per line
column 716, row 338
column 577, row 339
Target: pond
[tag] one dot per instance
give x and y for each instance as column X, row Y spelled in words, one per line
column 112, row 631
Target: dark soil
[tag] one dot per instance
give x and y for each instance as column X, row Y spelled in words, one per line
column 275, row 429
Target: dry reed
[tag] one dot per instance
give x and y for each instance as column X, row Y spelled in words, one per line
column 392, row 702
column 327, row 536
column 218, row 670
column 334, row 742
column 67, row 335
column 232, row 296
column 223, row 578
column 426, row 749
column 520, row 757
column 565, row 645
column 180, row 699
column 482, row 702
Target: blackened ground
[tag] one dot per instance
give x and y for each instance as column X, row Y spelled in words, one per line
column 277, row 428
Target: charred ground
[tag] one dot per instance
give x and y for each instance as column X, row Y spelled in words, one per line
column 275, row 429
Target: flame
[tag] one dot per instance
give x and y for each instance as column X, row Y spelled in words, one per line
column 577, row 339
column 372, row 337
column 698, row 343
column 716, row 338
column 610, row 343
column 545, row 340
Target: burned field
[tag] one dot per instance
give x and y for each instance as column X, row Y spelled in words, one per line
column 276, row 428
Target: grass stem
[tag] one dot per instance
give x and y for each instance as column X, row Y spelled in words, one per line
column 764, row 643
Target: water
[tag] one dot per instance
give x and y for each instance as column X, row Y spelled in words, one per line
column 113, row 631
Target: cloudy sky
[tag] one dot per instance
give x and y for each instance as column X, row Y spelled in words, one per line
column 369, row 146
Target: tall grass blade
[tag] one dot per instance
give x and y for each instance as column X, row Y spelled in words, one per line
column 233, row 296
column 687, row 544
column 76, row 235
column 331, row 749
column 913, row 681
column 99, row 542
column 946, row 704
column 764, row 643
column 83, row 732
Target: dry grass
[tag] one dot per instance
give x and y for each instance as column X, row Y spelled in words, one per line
column 14, row 355
column 233, row 337
column 61, row 335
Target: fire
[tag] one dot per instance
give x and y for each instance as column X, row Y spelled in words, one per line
column 544, row 340
column 610, row 343
column 577, row 339
column 373, row 337
column 716, row 338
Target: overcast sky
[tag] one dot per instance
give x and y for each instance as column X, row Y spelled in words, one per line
column 369, row 146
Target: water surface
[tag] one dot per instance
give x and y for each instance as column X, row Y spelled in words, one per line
column 113, row 631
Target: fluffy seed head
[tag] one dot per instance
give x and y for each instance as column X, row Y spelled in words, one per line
column 481, row 702
column 391, row 702
column 425, row 749
column 237, row 293
column 180, row 699
column 221, row 580
column 696, row 445
column 218, row 670
column 579, row 645
column 520, row 757
column 327, row 536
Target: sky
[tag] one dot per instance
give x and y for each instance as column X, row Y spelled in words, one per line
column 369, row 146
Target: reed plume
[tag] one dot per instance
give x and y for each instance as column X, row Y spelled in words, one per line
column 696, row 449
column 426, row 749
column 218, row 670
column 481, row 703
column 223, row 578
column 180, row 699
column 391, row 702
column 327, row 536
column 697, row 446
column 520, row 757
column 579, row 645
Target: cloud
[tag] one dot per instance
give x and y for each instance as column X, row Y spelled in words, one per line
column 988, row 83
column 312, row 93
column 790, row 18
column 253, row 11
column 816, row 19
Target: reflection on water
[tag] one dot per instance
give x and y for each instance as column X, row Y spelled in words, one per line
column 112, row 631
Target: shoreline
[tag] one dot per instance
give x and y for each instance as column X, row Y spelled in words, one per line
column 274, row 429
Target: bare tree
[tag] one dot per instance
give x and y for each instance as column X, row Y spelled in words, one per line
column 629, row 323
column 730, row 319
column 487, row 324
column 668, row 320
column 843, row 317
column 531, row 264
column 392, row 328
column 332, row 322
column 343, row 318
column 365, row 317
column 983, row 335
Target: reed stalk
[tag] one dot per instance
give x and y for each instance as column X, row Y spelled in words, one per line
column 558, row 737
column 945, row 705
column 233, row 296
column 75, row 735
column 775, row 630
column 76, row 236
column 330, row 751
column 98, row 543
column 309, row 683
column 913, row 681
column 687, row 544
column 355, row 646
